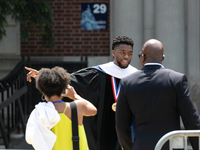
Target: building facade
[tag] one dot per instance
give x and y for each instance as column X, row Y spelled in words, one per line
column 176, row 23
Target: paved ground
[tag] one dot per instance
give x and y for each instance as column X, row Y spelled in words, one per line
column 17, row 141
column 21, row 144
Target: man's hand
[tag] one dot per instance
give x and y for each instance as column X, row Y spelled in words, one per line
column 32, row 73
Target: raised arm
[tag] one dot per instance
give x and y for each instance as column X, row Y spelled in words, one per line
column 32, row 73
column 86, row 108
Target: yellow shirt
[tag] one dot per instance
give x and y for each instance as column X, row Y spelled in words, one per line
column 63, row 131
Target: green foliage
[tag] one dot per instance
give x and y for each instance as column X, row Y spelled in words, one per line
column 30, row 13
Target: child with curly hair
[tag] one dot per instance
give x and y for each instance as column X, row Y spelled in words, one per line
column 49, row 125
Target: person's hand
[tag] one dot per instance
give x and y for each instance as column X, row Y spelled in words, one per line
column 32, row 73
column 70, row 93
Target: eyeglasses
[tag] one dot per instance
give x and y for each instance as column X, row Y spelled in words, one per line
column 139, row 55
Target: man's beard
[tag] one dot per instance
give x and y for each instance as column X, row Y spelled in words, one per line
column 121, row 66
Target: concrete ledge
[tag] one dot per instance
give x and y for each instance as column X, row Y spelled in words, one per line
column 7, row 64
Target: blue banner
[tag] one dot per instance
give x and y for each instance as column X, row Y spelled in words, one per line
column 94, row 16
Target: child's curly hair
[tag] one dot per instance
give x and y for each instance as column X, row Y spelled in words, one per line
column 52, row 81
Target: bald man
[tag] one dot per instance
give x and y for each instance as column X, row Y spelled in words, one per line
column 156, row 97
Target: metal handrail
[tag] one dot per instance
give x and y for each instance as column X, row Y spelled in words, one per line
column 177, row 133
column 17, row 98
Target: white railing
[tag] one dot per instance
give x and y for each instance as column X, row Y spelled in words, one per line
column 177, row 139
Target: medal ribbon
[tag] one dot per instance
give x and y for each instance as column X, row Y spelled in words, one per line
column 115, row 88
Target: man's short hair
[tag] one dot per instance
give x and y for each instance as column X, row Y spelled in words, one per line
column 122, row 40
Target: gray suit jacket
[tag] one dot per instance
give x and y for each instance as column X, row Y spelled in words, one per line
column 156, row 97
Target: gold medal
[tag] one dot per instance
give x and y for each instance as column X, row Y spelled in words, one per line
column 114, row 106
column 115, row 92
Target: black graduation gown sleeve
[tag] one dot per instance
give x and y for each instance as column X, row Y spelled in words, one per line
column 90, row 83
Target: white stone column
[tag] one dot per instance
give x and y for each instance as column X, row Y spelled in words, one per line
column 126, row 19
column 193, row 48
column 10, row 44
column 10, row 48
column 169, row 29
column 149, row 19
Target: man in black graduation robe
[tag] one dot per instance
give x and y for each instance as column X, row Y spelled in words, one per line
column 95, row 85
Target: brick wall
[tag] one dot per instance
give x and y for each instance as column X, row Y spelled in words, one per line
column 70, row 40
